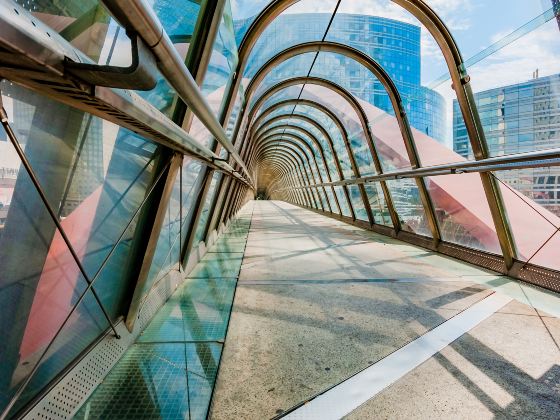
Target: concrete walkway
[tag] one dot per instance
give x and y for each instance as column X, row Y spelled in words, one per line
column 319, row 301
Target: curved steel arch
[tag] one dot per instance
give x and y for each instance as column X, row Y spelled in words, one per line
column 362, row 116
column 306, row 135
column 374, row 67
column 321, row 129
column 319, row 146
column 305, row 138
column 297, row 145
column 291, row 167
column 278, row 175
column 306, row 118
column 284, row 150
column 295, row 151
column 327, row 137
column 321, row 108
column 279, row 180
column 340, row 126
column 461, row 84
column 293, row 139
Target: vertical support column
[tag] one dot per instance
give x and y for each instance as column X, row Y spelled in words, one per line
column 153, row 236
column 414, row 159
column 465, row 97
column 197, row 62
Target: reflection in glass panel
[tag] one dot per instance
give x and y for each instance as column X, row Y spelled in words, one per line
column 534, row 227
column 83, row 327
column 351, row 122
column 217, row 79
column 190, row 171
column 95, row 176
column 166, row 254
column 378, row 205
column 89, row 27
column 520, row 113
column 292, row 67
column 244, row 13
column 406, row 199
column 462, row 211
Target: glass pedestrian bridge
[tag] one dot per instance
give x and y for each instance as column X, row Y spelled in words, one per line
column 236, row 209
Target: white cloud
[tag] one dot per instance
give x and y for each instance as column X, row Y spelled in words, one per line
column 516, row 63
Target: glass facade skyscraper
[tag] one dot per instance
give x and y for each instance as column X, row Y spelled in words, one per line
column 520, row 118
column 394, row 44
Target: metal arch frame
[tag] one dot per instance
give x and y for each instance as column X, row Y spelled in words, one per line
column 308, row 138
column 285, row 177
column 374, row 67
column 287, row 162
column 319, row 127
column 279, row 170
column 314, row 140
column 278, row 147
column 461, row 84
column 291, row 141
column 293, row 137
column 295, row 168
column 278, row 177
column 330, row 143
column 362, row 116
column 344, row 133
column 277, row 173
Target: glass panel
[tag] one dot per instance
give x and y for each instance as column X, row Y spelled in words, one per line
column 344, row 208
column 88, row 26
column 166, row 254
column 406, row 199
column 276, row 37
column 291, row 92
column 217, row 80
column 199, row 233
column 335, row 134
column 332, row 201
column 190, row 173
column 462, row 211
column 95, row 176
column 292, row 67
column 378, row 205
column 244, row 13
column 351, row 122
column 409, row 54
column 358, row 203
column 84, row 326
column 528, row 195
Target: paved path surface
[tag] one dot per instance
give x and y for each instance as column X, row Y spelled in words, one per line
column 319, row 301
